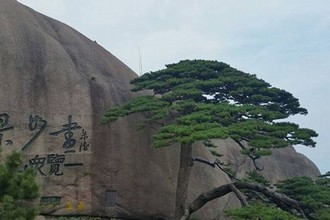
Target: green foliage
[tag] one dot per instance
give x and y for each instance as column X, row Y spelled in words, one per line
column 229, row 171
column 193, row 79
column 214, row 153
column 315, row 195
column 139, row 104
column 197, row 100
column 323, row 214
column 256, row 177
column 77, row 218
column 259, row 211
column 17, row 190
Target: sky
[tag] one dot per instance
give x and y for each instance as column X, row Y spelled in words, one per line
column 284, row 42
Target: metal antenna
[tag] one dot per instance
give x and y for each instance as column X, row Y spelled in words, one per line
column 140, row 63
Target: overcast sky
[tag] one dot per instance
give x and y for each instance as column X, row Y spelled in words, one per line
column 285, row 42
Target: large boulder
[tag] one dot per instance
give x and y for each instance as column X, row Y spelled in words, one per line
column 55, row 84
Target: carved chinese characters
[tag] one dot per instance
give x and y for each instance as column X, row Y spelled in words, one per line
column 73, row 136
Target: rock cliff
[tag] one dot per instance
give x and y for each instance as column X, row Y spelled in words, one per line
column 55, row 84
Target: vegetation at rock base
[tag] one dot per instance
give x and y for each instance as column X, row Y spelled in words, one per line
column 313, row 197
column 17, row 189
column 198, row 100
column 259, row 211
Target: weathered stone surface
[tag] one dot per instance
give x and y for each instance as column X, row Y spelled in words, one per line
column 50, row 75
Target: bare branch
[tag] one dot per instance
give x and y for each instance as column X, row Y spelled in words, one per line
column 225, row 171
column 257, row 194
column 240, row 144
column 202, row 160
column 327, row 174
column 217, row 163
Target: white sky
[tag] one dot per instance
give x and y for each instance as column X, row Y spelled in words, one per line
column 285, row 42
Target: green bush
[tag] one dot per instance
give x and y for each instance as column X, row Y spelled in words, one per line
column 17, row 190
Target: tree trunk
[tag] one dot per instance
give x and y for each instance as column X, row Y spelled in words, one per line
column 186, row 163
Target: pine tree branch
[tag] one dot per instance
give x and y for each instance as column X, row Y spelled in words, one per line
column 202, row 160
column 325, row 175
column 230, row 175
column 239, row 195
column 253, row 158
column 240, row 144
column 213, row 164
column 279, row 199
column 203, row 198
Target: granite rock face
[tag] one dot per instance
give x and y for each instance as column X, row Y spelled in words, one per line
column 55, row 84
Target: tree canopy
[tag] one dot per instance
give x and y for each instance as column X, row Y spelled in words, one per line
column 200, row 100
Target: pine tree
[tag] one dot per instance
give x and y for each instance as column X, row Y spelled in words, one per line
column 198, row 100
column 18, row 188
